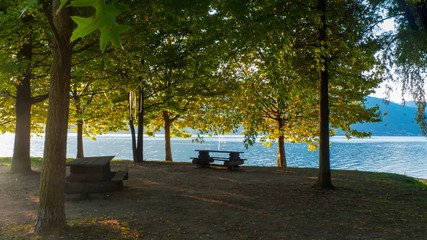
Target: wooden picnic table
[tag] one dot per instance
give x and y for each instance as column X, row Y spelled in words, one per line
column 205, row 160
column 90, row 169
column 93, row 175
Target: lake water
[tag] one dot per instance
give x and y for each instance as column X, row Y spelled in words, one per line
column 403, row 155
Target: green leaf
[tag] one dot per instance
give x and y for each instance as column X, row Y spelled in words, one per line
column 30, row 4
column 34, row 2
column 62, row 4
column 104, row 20
column 83, row 3
column 85, row 27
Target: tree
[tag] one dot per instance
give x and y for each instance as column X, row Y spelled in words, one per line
column 51, row 212
column 187, row 84
column 97, row 106
column 131, row 75
column 283, row 58
column 137, row 110
column 170, row 64
column 136, row 69
column 26, row 55
column 324, row 181
column 406, row 52
column 339, row 70
column 94, row 109
column 276, row 103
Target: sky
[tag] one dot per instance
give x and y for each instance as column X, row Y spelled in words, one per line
column 396, row 93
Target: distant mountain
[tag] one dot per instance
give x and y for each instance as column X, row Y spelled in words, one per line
column 397, row 119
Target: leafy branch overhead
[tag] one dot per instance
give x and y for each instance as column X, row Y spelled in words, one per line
column 104, row 20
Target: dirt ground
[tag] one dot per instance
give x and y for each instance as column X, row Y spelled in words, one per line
column 179, row 201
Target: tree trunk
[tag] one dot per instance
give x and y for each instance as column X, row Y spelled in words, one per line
column 133, row 135
column 21, row 162
column 80, row 151
column 137, row 137
column 281, row 154
column 324, row 179
column 51, row 210
column 132, row 126
column 168, row 149
column 140, row 139
column 79, row 123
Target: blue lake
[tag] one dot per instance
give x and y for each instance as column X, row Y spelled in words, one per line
column 403, row 155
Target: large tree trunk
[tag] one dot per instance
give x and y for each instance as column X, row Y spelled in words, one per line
column 51, row 211
column 168, row 149
column 21, row 162
column 324, row 179
column 281, row 154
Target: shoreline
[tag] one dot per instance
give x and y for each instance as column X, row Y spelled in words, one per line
column 395, row 156
column 424, row 178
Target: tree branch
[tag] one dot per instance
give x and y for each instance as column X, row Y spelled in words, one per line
column 40, row 98
column 47, row 10
column 7, row 93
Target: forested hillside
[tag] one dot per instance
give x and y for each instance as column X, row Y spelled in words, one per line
column 397, row 119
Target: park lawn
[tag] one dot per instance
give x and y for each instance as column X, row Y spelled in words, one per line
column 35, row 161
column 179, row 201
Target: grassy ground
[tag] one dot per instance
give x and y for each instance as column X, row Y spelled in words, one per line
column 35, row 162
column 179, row 201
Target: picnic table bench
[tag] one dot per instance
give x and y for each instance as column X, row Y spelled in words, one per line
column 205, row 160
column 92, row 175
